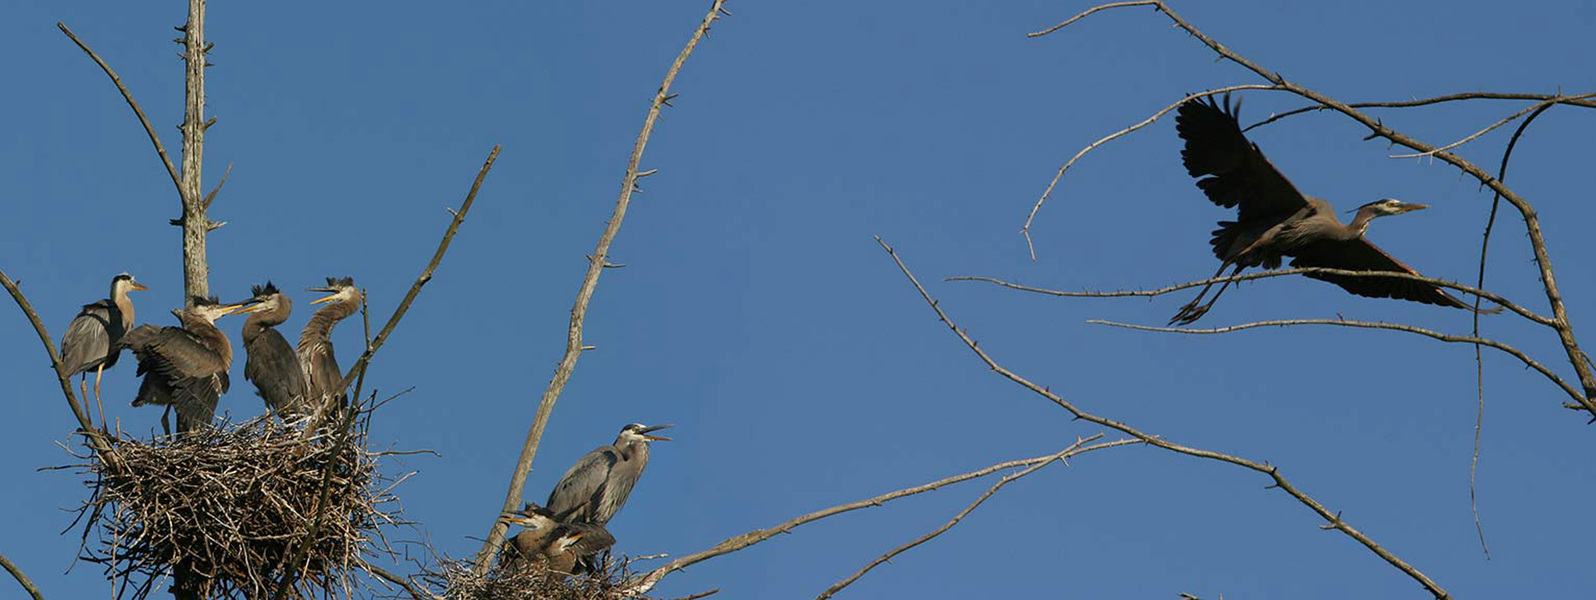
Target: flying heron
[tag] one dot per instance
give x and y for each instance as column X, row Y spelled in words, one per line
column 185, row 367
column 561, row 546
column 316, row 357
column 91, row 341
column 272, row 364
column 594, row 488
column 1274, row 220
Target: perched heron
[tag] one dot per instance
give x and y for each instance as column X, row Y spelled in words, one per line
column 560, row 546
column 272, row 364
column 594, row 488
column 91, row 341
column 185, row 367
column 316, row 357
column 1275, row 220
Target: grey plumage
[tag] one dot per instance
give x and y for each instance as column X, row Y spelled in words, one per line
column 1274, row 220
column 315, row 350
column 184, row 367
column 91, row 341
column 594, row 488
column 271, row 364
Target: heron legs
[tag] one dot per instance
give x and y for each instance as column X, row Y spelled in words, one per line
column 166, row 423
column 97, row 372
column 1193, row 310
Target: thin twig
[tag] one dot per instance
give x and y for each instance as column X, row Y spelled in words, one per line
column 1509, row 119
column 1524, row 312
column 415, row 592
column 1333, row 520
column 1458, row 339
column 27, row 584
column 171, row 169
column 206, row 206
column 1089, row 11
column 645, row 582
column 1025, row 230
column 584, row 295
column 1428, row 101
column 831, row 591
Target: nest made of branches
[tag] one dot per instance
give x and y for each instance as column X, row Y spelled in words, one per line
column 458, row 581
column 227, row 512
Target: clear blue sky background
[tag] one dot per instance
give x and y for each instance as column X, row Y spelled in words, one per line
column 758, row 315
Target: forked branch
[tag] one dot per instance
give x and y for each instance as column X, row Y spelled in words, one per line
column 1333, row 519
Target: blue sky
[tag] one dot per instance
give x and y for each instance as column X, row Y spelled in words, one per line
column 758, row 314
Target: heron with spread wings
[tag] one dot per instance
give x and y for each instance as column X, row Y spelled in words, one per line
column 1274, row 220
column 185, row 367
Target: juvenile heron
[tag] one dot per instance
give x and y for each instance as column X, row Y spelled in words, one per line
column 91, row 341
column 594, row 488
column 560, row 546
column 185, row 367
column 1274, row 220
column 272, row 364
column 316, row 357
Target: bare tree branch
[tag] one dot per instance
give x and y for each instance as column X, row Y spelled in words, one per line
column 160, row 149
column 415, row 592
column 27, row 584
column 1526, row 313
column 646, row 582
column 1333, row 520
column 1543, row 262
column 1025, row 230
column 831, row 591
column 596, row 264
column 1428, row 101
column 196, row 221
column 96, row 440
column 1460, row 339
column 1508, row 119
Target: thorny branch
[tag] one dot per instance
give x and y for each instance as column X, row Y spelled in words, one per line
column 1543, row 105
column 597, row 261
column 177, row 180
column 1333, row 519
column 1556, row 98
column 645, row 582
column 1061, row 456
column 1543, row 262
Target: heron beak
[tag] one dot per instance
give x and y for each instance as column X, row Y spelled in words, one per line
column 242, row 307
column 137, row 286
column 1413, row 207
column 656, row 438
column 522, row 521
column 327, row 290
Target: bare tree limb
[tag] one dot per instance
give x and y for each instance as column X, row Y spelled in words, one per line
column 647, row 581
column 160, row 149
column 596, row 264
column 1333, row 520
column 1524, row 312
column 1459, row 339
column 1508, row 119
column 1025, row 229
column 22, row 578
column 1428, row 101
column 1543, row 261
column 196, row 221
column 1073, row 449
column 415, row 592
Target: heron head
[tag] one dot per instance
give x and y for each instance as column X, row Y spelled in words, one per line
column 266, row 298
column 124, row 283
column 638, row 432
column 210, row 309
column 534, row 517
column 1386, row 207
column 339, row 289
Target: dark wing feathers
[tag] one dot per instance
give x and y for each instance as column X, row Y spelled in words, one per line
column 87, row 341
column 595, row 538
column 181, row 371
column 1360, row 255
column 1240, row 174
column 576, row 497
column 274, row 369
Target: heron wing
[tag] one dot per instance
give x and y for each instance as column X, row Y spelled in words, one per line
column 595, row 538
column 576, row 497
column 193, row 372
column 87, row 341
column 1360, row 255
column 1239, row 174
column 274, row 368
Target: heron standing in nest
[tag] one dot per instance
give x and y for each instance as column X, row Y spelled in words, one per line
column 316, row 357
column 546, row 541
column 1274, row 220
column 185, row 367
column 93, row 341
column 271, row 364
column 594, row 488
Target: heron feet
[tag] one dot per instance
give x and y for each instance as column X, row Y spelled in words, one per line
column 1190, row 313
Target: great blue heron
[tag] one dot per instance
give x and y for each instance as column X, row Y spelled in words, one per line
column 594, row 488
column 185, row 367
column 91, row 341
column 560, row 546
column 316, row 357
column 1275, row 220
column 272, row 365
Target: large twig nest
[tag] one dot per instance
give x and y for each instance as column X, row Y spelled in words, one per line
column 225, row 509
column 458, row 581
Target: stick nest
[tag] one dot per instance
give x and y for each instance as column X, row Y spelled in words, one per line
column 458, row 581
column 223, row 511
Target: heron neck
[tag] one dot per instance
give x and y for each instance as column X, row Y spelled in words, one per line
column 211, row 337
column 259, row 322
column 1360, row 223
column 124, row 305
column 321, row 323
